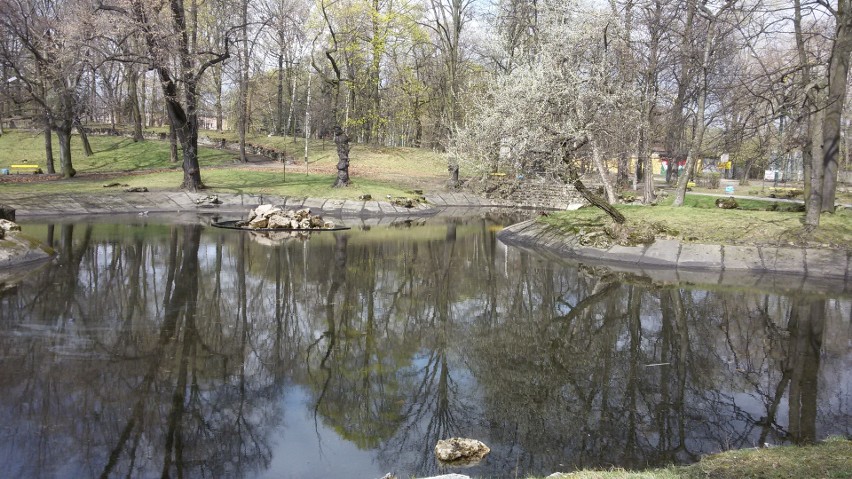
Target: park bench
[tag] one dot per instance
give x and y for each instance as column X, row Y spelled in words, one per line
column 30, row 168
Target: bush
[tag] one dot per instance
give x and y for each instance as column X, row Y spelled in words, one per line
column 709, row 179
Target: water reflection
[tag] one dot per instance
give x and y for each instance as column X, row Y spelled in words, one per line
column 182, row 351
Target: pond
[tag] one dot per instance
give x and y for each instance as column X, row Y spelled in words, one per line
column 159, row 348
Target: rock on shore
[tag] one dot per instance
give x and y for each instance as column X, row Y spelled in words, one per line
column 18, row 250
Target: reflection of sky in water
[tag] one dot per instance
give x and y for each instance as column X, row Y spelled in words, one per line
column 469, row 338
column 304, row 449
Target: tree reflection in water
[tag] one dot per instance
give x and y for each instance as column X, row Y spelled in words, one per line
column 166, row 351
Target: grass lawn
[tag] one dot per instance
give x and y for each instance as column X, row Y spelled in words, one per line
column 111, row 153
column 700, row 221
column 406, row 166
column 831, row 459
column 375, row 171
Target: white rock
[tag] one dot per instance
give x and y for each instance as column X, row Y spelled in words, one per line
column 267, row 210
column 7, row 225
column 460, row 449
column 258, row 222
column 278, row 221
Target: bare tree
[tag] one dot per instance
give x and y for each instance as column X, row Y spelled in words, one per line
column 175, row 47
column 447, row 19
column 341, row 139
column 48, row 57
column 713, row 34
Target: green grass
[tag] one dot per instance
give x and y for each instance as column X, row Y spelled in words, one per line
column 374, row 170
column 709, row 202
column 700, row 221
column 111, row 153
column 401, row 165
column 231, row 180
column 831, row 459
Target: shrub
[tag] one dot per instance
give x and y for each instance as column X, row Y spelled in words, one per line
column 708, row 179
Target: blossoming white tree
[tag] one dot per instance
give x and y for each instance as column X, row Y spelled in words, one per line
column 563, row 102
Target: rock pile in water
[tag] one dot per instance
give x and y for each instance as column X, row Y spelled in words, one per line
column 273, row 217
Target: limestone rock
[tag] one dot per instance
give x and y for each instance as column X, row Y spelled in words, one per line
column 727, row 203
column 316, row 221
column 266, row 210
column 258, row 222
column 208, row 200
column 7, row 225
column 274, row 217
column 278, row 221
column 460, row 449
column 404, row 202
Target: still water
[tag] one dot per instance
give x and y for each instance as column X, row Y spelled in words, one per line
column 154, row 349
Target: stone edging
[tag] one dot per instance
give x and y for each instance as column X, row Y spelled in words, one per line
column 671, row 260
column 158, row 202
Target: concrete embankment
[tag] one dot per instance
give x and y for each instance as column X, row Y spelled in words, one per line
column 672, row 261
column 166, row 202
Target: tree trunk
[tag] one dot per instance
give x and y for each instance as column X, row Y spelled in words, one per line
column 838, row 70
column 341, row 140
column 173, row 144
column 453, row 169
column 649, row 98
column 292, row 109
column 84, row 138
column 622, row 175
column 674, row 134
column 242, row 115
column 649, row 195
column 191, row 168
column 599, row 202
column 375, row 74
column 217, row 80
column 133, row 98
column 48, row 146
column 700, row 125
column 811, row 149
column 279, row 99
column 143, row 102
column 602, row 171
column 63, row 134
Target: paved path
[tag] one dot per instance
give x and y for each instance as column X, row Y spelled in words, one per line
column 159, row 202
column 673, row 261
